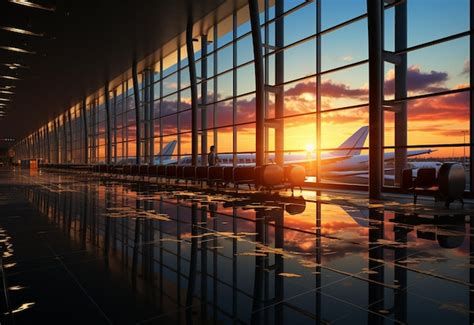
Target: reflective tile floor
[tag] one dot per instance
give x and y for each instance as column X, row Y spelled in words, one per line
column 78, row 249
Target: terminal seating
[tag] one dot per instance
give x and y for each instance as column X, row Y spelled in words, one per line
column 143, row 171
column 161, row 172
column 127, row 170
column 215, row 175
column 171, row 172
column 269, row 176
column 227, row 175
column 152, row 171
column 244, row 175
column 424, row 182
column 135, row 171
column 447, row 185
column 202, row 174
column 179, row 172
column 189, row 173
column 295, row 176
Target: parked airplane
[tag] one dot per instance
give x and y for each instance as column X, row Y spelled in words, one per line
column 350, row 147
column 167, row 155
column 161, row 159
column 346, row 160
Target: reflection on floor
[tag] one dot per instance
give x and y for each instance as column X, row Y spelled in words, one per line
column 92, row 251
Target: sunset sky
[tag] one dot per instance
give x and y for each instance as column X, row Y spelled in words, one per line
column 431, row 121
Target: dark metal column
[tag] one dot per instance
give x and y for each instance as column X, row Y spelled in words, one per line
column 146, row 119
column 136, row 92
column 203, row 100
column 86, row 133
column 160, row 111
column 70, row 135
column 318, row 92
column 234, row 90
column 48, row 135
column 194, row 96
column 259, row 83
column 108, row 133
column 471, row 82
column 114, row 105
column 40, row 144
column 151, row 115
column 28, row 148
column 38, row 138
column 56, row 134
column 279, row 80
column 375, row 27
column 64, row 158
column 401, row 124
column 33, row 143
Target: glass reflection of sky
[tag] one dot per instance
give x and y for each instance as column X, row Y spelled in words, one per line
column 253, row 257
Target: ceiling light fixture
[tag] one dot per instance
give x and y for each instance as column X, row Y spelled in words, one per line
column 8, row 77
column 14, row 66
column 6, row 92
column 4, row 99
column 30, row 4
column 16, row 49
column 7, row 87
column 21, row 31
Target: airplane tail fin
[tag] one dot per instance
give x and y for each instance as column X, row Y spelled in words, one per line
column 351, row 147
column 168, row 150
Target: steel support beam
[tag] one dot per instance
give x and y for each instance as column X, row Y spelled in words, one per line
column 108, row 130
column 56, row 135
column 471, row 102
column 318, row 92
column 64, row 158
column 151, row 116
column 279, row 80
column 69, row 118
column 85, row 133
column 114, row 134
column 259, row 83
column 194, row 96
column 401, row 116
column 234, row 90
column 136, row 92
column 48, row 135
column 146, row 117
column 203, row 100
column 375, row 30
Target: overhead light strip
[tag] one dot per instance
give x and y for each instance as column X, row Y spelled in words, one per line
column 4, row 99
column 16, row 49
column 21, row 31
column 14, row 66
column 32, row 5
column 8, row 77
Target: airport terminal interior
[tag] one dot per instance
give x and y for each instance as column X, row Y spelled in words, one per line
column 236, row 161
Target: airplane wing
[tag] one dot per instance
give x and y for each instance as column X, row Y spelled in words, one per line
column 358, row 173
column 324, row 160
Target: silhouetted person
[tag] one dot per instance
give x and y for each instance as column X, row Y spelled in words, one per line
column 212, row 158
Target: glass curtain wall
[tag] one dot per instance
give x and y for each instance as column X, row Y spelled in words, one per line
column 316, row 98
column 437, row 94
